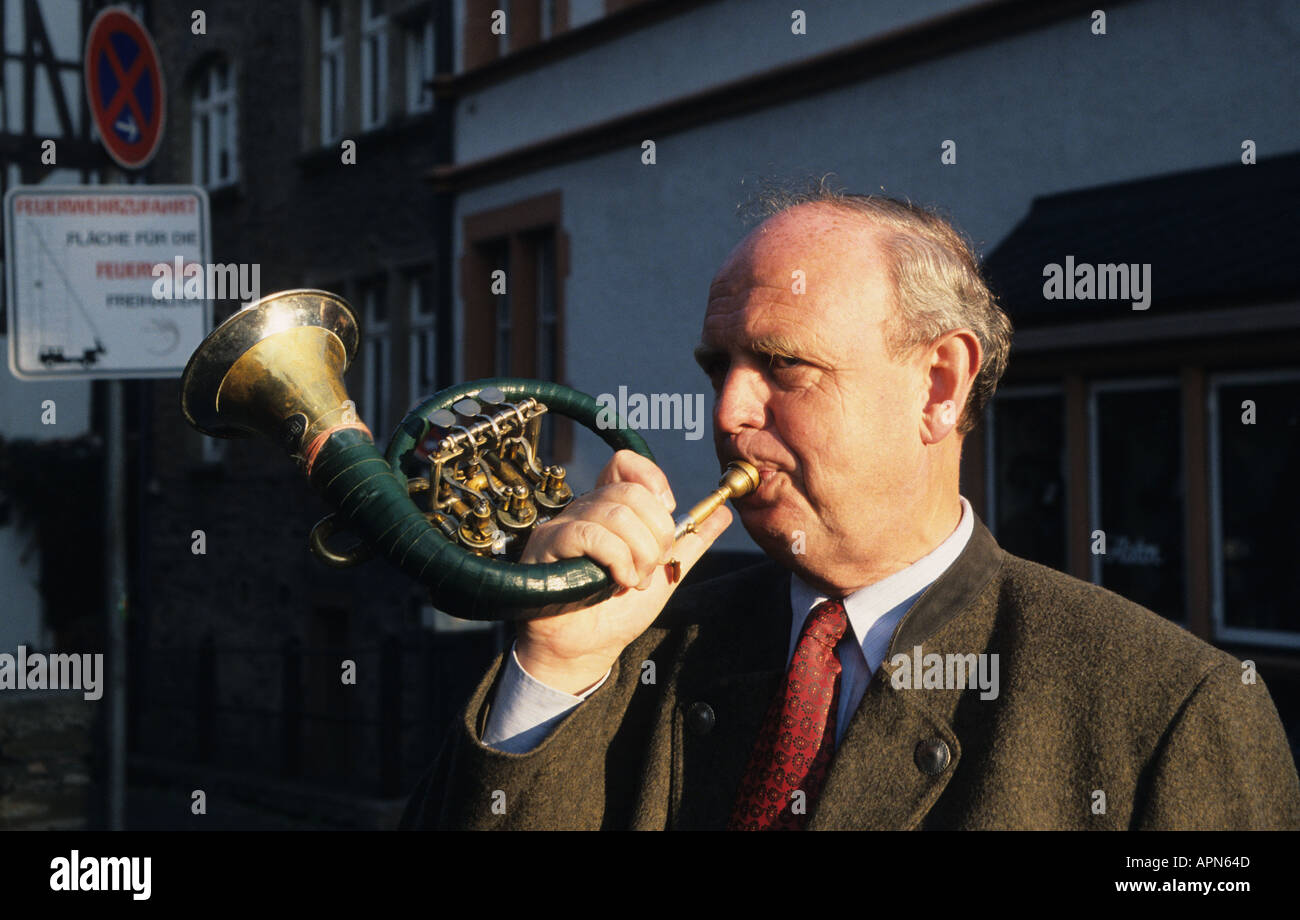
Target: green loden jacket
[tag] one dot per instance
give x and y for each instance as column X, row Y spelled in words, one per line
column 1107, row 716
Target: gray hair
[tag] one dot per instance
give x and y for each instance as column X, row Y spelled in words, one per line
column 937, row 280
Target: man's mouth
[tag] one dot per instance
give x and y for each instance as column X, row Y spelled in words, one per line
column 766, row 482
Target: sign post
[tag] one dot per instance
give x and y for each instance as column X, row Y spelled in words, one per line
column 85, row 301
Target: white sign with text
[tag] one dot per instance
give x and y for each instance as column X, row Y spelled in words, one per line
column 81, row 264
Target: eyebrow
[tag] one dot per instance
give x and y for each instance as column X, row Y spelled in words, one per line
column 780, row 345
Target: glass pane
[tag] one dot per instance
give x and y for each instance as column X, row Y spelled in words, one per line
column 204, row 146
column 228, row 155
column 1258, row 508
column 426, row 60
column 1029, row 477
column 221, row 143
column 426, row 362
column 372, row 71
column 547, row 358
column 377, row 370
column 422, row 293
column 329, row 85
column 502, row 263
column 1139, row 449
column 377, row 303
column 329, row 15
column 546, row 292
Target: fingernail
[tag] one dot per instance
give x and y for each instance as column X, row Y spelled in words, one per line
column 667, row 498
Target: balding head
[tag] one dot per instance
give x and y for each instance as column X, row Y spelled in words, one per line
column 938, row 285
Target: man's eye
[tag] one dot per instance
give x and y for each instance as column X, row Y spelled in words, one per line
column 783, row 362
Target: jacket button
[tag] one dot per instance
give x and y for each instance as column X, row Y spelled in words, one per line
column 700, row 719
column 932, row 756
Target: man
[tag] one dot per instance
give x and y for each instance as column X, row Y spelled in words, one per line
column 890, row 666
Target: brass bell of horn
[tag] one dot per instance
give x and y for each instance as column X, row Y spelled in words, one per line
column 454, row 498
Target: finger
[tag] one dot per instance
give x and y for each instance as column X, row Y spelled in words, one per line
column 627, row 510
column 626, row 524
column 648, row 507
column 691, row 547
column 629, row 466
column 595, row 541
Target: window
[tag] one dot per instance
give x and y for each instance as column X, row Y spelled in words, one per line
column 213, row 117
column 549, row 23
column 499, row 281
column 1254, row 449
column 513, row 323
column 331, row 73
column 378, row 356
column 548, row 342
column 548, row 323
column 374, row 64
column 1026, row 473
column 419, row 66
column 423, row 319
column 1138, row 492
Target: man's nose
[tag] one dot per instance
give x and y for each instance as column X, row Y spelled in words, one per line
column 741, row 401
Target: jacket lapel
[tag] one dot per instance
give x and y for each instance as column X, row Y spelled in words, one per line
column 723, row 691
column 900, row 749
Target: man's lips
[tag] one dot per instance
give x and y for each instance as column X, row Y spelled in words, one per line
column 766, row 475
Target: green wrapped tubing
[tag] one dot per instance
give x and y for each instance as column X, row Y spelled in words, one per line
column 370, row 495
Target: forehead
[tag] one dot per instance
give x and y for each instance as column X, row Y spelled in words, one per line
column 810, row 272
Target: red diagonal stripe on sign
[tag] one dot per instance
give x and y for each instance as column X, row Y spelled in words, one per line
column 125, row 95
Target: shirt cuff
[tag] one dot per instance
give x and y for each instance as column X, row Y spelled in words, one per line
column 525, row 709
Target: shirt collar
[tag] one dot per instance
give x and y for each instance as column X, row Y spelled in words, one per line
column 867, row 605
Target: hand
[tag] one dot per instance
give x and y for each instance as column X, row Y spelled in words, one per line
column 625, row 525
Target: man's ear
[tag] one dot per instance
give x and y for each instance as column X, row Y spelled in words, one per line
column 951, row 361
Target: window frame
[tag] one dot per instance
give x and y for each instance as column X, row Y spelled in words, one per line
column 421, row 64
column 548, row 25
column 331, row 49
column 514, row 228
column 377, row 345
column 1132, row 385
column 422, row 322
column 208, row 110
column 374, row 74
column 1016, row 391
column 1219, row 630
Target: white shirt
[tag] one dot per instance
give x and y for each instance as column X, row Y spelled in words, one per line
column 526, row 709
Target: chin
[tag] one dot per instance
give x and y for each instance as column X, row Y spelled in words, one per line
column 772, row 528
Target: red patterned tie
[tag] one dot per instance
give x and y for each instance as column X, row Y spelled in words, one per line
column 797, row 740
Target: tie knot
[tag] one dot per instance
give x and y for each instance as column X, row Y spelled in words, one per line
column 827, row 623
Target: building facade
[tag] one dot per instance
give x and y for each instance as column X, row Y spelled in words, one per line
column 1153, row 425
column 545, row 188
